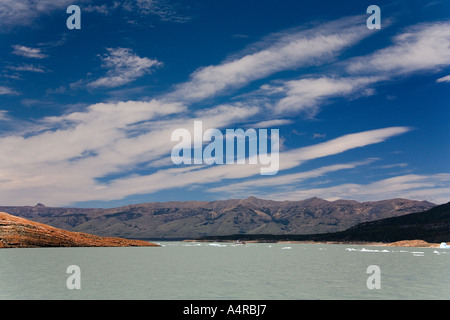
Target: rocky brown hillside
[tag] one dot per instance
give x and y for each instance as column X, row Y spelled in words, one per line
column 193, row 219
column 18, row 232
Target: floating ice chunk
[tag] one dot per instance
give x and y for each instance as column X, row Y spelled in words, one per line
column 215, row 244
column 444, row 245
column 286, row 248
column 374, row 250
column 366, row 250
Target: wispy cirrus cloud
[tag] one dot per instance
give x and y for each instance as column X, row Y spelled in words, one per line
column 165, row 10
column 103, row 8
column 443, row 79
column 8, row 91
column 288, row 51
column 4, row 115
column 123, row 66
column 433, row 187
column 271, row 123
column 421, row 47
column 24, row 12
column 234, row 189
column 307, row 95
column 338, row 145
column 28, row 52
column 28, row 68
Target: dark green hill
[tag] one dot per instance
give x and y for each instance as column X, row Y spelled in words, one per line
column 432, row 225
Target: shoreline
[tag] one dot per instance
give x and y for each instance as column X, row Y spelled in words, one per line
column 403, row 243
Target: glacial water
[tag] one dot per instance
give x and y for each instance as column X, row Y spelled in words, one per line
column 259, row 271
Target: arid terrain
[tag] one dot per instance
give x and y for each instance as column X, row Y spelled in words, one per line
column 18, row 232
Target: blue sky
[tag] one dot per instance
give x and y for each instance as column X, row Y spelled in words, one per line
column 87, row 115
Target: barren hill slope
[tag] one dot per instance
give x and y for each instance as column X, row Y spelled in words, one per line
column 18, row 232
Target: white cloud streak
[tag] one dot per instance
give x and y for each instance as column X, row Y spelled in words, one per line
column 123, row 66
column 4, row 115
column 421, row 47
column 28, row 52
column 24, row 12
column 249, row 186
column 443, row 79
column 28, row 68
column 434, row 188
column 270, row 123
column 164, row 10
column 295, row 157
column 294, row 50
column 307, row 95
column 7, row 91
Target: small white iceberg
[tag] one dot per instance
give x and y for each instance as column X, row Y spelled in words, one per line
column 444, row 246
column 192, row 245
column 215, row 244
column 366, row 250
column 284, row 248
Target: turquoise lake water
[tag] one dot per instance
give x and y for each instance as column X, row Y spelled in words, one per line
column 259, row 271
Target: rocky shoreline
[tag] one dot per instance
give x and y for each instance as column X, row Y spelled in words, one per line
column 405, row 243
column 18, row 232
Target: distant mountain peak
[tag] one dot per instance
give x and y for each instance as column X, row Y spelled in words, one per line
column 315, row 200
column 252, row 200
column 40, row 205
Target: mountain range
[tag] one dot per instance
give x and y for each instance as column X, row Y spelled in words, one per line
column 414, row 229
column 195, row 219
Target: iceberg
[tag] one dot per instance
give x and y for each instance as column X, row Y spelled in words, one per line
column 366, row 250
column 444, row 246
column 215, row 244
